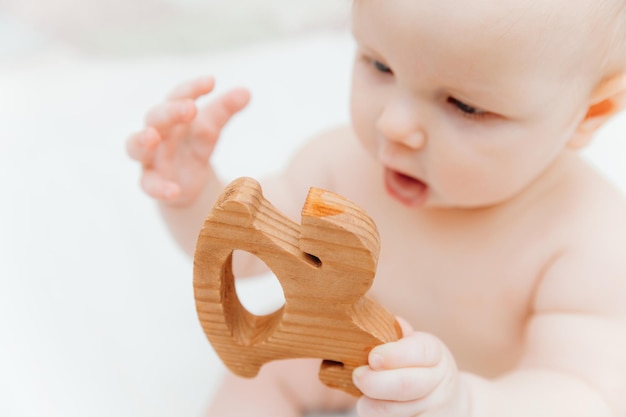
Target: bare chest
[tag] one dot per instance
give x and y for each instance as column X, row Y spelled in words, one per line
column 472, row 291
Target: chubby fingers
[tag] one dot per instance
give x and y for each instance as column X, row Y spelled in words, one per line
column 180, row 106
column 367, row 407
column 168, row 114
column 405, row 370
column 192, row 89
column 417, row 349
column 405, row 326
column 218, row 112
column 141, row 145
column 405, row 384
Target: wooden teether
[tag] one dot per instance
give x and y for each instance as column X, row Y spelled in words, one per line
column 325, row 267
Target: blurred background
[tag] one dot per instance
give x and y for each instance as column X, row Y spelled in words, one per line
column 97, row 316
column 120, row 28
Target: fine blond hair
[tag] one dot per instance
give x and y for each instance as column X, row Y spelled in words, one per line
column 613, row 17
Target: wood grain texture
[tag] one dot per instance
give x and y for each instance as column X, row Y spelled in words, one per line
column 325, row 267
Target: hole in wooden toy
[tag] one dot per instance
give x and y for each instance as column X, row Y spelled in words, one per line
column 260, row 295
column 317, row 262
column 327, row 363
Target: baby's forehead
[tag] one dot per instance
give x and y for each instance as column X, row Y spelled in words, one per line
column 565, row 30
column 487, row 39
column 538, row 30
column 530, row 19
column 506, row 19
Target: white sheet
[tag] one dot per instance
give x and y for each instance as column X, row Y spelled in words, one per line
column 96, row 307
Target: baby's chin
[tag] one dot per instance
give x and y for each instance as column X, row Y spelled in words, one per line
column 408, row 190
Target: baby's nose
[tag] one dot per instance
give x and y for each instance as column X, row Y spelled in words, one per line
column 400, row 126
column 414, row 140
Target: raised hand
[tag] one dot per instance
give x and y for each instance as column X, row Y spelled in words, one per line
column 415, row 376
column 176, row 144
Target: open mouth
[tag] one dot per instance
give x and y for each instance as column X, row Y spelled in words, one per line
column 408, row 190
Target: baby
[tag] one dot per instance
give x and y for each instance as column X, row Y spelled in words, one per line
column 501, row 247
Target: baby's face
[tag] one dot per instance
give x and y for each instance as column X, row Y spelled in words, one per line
column 465, row 104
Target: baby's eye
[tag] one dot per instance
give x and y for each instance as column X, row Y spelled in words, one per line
column 466, row 109
column 381, row 67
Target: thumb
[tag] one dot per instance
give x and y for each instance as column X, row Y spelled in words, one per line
column 406, row 327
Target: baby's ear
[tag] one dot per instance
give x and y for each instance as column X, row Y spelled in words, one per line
column 608, row 99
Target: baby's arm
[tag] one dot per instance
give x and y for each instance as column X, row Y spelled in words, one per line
column 574, row 362
column 174, row 151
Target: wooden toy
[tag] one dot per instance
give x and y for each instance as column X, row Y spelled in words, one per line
column 325, row 267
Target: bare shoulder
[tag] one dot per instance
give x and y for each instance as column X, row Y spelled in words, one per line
column 578, row 321
column 318, row 163
column 589, row 271
column 324, row 155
